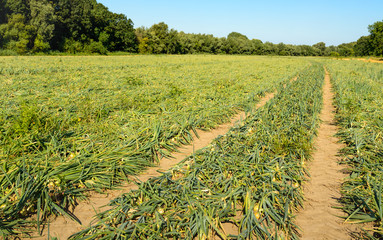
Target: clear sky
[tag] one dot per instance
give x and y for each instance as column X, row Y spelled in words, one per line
column 288, row 21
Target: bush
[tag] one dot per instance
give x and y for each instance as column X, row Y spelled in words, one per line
column 96, row 47
column 334, row 54
column 40, row 45
column 73, row 46
column 8, row 52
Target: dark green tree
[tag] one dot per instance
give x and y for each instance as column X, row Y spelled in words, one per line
column 3, row 12
column 142, row 35
column 238, row 43
column 158, row 37
column 282, row 49
column 346, row 49
column 43, row 19
column 18, row 7
column 257, row 46
column 376, row 36
column 363, row 46
column 121, row 34
column 269, row 48
column 17, row 35
column 162, row 40
column 73, row 23
column 100, row 20
column 321, row 46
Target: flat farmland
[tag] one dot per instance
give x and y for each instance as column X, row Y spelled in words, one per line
column 73, row 124
column 303, row 165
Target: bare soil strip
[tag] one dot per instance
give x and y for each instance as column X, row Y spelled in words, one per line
column 373, row 60
column 365, row 60
column 318, row 220
column 62, row 227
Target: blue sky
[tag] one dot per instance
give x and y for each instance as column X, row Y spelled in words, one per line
column 289, row 21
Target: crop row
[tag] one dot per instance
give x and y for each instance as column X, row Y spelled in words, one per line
column 69, row 125
column 359, row 101
column 246, row 185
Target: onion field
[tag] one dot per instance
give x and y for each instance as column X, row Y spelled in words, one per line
column 359, row 100
column 72, row 126
column 249, row 178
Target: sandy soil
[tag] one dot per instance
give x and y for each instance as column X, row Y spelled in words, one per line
column 373, row 60
column 364, row 60
column 318, row 220
column 62, row 227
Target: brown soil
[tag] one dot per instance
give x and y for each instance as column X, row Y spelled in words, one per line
column 62, row 227
column 318, row 219
column 373, row 60
column 364, row 60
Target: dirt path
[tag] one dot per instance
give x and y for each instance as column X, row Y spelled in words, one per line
column 318, row 220
column 364, row 60
column 62, row 227
column 373, row 60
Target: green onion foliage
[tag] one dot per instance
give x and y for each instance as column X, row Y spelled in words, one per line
column 249, row 179
column 359, row 99
column 74, row 124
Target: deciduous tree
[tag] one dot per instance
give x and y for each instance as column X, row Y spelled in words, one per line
column 376, row 36
column 43, row 19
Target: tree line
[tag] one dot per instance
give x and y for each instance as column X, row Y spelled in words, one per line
column 75, row 26
column 63, row 25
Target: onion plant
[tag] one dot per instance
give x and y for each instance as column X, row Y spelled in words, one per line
column 69, row 125
column 358, row 87
column 249, row 179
